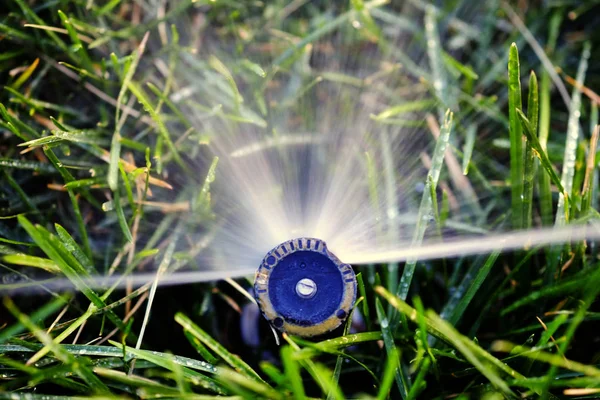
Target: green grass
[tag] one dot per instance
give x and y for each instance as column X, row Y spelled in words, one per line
column 100, row 175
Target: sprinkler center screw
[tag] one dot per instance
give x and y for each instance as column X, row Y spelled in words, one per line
column 306, row 288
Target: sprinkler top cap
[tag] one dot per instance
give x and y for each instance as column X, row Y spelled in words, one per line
column 304, row 289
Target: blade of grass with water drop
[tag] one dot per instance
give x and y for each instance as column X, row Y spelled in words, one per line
column 516, row 138
column 391, row 201
column 162, row 269
column 233, row 360
column 218, row 66
column 74, row 248
column 36, row 166
column 202, row 203
column 425, row 207
column 110, row 351
column 569, row 157
column 402, row 380
column 166, row 361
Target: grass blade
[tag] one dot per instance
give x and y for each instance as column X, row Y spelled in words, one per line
column 570, row 155
column 425, row 209
column 401, row 379
column 530, row 170
column 540, row 153
column 233, row 360
column 516, row 138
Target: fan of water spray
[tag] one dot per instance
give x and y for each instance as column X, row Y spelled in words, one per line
column 347, row 136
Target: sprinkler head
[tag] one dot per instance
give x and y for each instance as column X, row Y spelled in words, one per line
column 304, row 289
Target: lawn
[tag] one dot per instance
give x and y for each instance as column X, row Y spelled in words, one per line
column 153, row 151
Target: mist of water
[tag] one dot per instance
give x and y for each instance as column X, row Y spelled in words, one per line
column 317, row 149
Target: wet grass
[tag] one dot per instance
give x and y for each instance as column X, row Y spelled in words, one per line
column 105, row 171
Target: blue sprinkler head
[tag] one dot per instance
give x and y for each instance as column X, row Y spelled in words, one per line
column 304, row 289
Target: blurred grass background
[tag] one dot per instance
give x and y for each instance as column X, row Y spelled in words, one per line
column 95, row 117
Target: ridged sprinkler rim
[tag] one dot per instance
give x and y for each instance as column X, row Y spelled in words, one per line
column 303, row 276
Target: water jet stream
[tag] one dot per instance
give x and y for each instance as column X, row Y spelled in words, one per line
column 428, row 251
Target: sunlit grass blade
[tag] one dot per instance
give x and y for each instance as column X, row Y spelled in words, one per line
column 544, row 189
column 25, row 74
column 292, row 372
column 529, row 166
column 516, row 139
column 31, row 261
